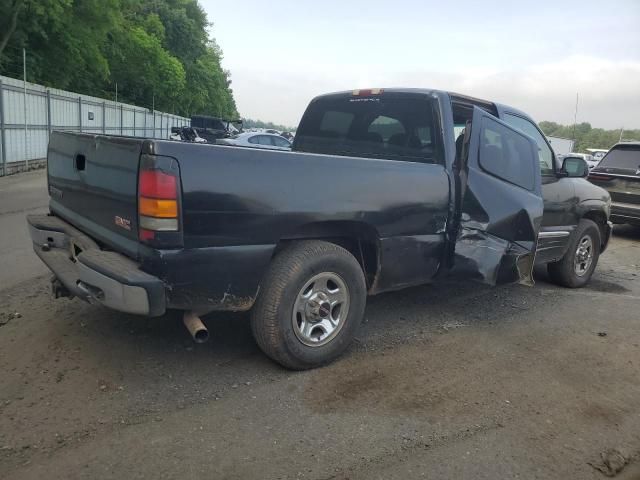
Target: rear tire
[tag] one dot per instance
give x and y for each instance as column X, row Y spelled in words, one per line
column 310, row 305
column 575, row 269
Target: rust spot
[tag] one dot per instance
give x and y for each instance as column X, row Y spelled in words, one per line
column 204, row 302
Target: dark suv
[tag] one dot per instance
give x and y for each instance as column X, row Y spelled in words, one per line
column 619, row 173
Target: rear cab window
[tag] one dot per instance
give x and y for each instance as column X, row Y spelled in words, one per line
column 623, row 157
column 391, row 125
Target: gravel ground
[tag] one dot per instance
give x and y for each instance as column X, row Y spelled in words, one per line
column 444, row 381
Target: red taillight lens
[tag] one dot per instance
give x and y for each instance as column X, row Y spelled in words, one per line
column 146, row 235
column 157, row 184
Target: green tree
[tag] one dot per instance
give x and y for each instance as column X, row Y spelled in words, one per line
column 144, row 70
column 151, row 48
column 587, row 137
column 64, row 40
column 9, row 20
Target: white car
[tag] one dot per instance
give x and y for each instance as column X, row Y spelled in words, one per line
column 598, row 153
column 257, row 140
column 186, row 134
column 591, row 161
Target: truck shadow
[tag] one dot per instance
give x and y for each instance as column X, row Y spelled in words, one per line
column 389, row 318
column 118, row 344
column 632, row 232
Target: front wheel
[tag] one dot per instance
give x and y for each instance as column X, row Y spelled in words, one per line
column 575, row 269
column 310, row 304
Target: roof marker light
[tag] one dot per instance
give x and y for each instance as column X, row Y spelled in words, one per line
column 367, row 92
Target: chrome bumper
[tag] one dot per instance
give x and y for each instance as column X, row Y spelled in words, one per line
column 92, row 274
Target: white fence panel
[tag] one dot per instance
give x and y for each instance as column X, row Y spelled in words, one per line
column 49, row 109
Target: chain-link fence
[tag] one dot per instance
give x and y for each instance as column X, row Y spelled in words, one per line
column 28, row 113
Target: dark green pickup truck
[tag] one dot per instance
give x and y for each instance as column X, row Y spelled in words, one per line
column 383, row 189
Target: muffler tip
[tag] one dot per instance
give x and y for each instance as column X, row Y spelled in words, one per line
column 201, row 336
column 196, row 328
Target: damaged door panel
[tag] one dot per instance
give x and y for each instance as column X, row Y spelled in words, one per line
column 500, row 203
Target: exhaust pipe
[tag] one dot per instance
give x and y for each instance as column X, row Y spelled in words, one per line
column 195, row 326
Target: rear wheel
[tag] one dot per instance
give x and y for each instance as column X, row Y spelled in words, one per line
column 575, row 269
column 310, row 304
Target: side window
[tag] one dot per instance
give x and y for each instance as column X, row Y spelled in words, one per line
column 253, row 139
column 458, row 128
column 281, row 142
column 506, row 154
column 265, row 140
column 545, row 154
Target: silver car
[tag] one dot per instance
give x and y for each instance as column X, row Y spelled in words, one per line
column 257, row 140
column 591, row 161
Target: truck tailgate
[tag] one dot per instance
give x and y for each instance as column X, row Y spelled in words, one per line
column 93, row 185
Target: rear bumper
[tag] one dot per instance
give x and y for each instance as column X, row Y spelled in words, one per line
column 92, row 274
column 625, row 213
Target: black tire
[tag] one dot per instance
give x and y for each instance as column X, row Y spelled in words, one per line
column 563, row 272
column 272, row 314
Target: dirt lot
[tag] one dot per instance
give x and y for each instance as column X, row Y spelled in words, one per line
column 447, row 381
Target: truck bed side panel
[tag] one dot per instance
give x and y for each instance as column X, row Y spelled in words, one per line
column 235, row 196
column 238, row 196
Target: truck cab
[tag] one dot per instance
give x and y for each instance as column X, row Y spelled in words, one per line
column 568, row 197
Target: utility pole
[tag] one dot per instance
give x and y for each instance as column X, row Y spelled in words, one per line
column 153, row 110
column 621, row 130
column 575, row 117
column 24, row 72
column 117, row 108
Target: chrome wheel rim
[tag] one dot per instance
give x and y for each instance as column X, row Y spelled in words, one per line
column 584, row 256
column 320, row 310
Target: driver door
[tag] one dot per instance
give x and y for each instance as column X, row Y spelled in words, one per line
column 499, row 203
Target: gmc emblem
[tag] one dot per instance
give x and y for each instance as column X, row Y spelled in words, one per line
column 122, row 222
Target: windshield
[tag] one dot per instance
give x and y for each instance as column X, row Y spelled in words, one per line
column 390, row 126
column 626, row 157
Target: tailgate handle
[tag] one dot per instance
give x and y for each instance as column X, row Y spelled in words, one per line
column 79, row 161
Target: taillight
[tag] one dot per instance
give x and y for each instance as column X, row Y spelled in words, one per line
column 158, row 191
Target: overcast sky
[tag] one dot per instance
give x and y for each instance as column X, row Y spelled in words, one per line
column 533, row 55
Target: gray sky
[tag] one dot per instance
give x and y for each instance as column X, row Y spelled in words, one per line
column 533, row 55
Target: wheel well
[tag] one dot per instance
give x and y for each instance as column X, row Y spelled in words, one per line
column 600, row 219
column 359, row 239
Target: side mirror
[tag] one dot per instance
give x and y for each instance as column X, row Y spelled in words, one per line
column 575, row 167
